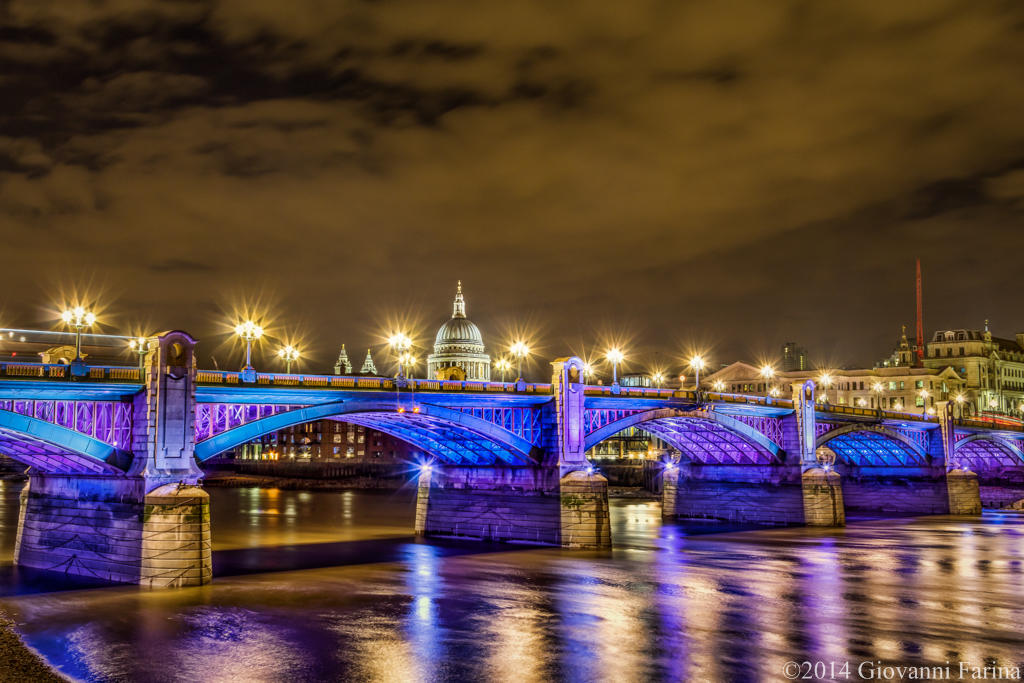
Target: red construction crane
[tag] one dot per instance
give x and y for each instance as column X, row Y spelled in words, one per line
column 920, row 322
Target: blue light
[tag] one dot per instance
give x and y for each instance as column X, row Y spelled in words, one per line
column 590, row 470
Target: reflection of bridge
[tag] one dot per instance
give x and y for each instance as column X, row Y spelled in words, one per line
column 113, row 455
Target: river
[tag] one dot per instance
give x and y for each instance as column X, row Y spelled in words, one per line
column 333, row 586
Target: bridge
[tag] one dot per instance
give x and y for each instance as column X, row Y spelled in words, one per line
column 115, row 452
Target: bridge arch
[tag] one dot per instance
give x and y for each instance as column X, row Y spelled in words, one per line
column 981, row 452
column 711, row 437
column 50, row 448
column 873, row 445
column 451, row 435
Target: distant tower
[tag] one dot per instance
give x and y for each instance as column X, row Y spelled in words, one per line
column 343, row 366
column 368, row 367
column 904, row 354
column 794, row 357
column 920, row 322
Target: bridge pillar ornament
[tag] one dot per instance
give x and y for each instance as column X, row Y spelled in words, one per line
column 961, row 484
column 566, row 383
column 820, row 483
column 150, row 525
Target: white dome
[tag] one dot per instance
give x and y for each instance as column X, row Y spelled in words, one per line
column 458, row 332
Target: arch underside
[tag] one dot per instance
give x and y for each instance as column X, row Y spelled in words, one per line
column 983, row 454
column 452, row 443
column 452, row 436
column 708, row 442
column 862, row 448
column 56, row 450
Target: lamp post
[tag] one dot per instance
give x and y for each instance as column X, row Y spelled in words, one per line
column 658, row 379
column 959, row 401
column 250, row 332
column 520, row 350
column 140, row 345
column 878, row 388
column 503, row 366
column 408, row 363
column 615, row 356
column 78, row 319
column 718, row 385
column 825, row 380
column 924, row 400
column 697, row 363
column 682, row 382
column 588, row 372
column 289, row 354
column 768, row 373
column 400, row 345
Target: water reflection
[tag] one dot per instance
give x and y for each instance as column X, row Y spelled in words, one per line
column 327, row 586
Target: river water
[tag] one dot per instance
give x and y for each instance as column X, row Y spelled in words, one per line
column 333, row 586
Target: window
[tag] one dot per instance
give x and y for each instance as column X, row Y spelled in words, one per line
column 337, row 439
column 919, row 384
column 902, row 385
column 892, row 386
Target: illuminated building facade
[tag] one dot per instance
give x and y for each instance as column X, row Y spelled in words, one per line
column 992, row 367
column 896, row 388
column 459, row 351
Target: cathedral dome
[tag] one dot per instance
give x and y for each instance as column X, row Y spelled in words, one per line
column 459, row 351
column 459, row 331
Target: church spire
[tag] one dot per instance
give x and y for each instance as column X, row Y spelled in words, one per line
column 459, row 310
column 368, row 367
column 343, row 366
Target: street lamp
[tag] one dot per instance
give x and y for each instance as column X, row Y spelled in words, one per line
column 825, row 380
column 682, row 382
column 615, row 356
column 520, row 350
column 407, row 362
column 140, row 345
column 768, row 373
column 878, row 388
column 400, row 344
column 250, row 332
column 658, row 379
column 898, row 406
column 503, row 365
column 588, row 371
column 924, row 400
column 78, row 318
column 697, row 363
column 718, row 385
column 289, row 354
column 959, row 399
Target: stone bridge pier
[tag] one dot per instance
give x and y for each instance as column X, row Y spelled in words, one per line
column 145, row 521
column 559, row 500
column 792, row 488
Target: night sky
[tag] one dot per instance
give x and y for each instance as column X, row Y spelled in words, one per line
column 669, row 174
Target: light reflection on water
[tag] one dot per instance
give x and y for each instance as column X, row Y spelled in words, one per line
column 354, row 595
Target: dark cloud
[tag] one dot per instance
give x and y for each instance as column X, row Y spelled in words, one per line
column 732, row 173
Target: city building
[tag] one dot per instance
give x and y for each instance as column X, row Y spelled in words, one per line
column 794, row 357
column 899, row 388
column 369, row 367
column 328, row 440
column 459, row 351
column 992, row 367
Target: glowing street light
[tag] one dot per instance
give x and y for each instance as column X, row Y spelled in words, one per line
column 959, row 399
column 682, row 382
column 407, row 362
column 898, row 406
column 718, row 385
column 768, row 373
column 878, row 388
column 250, row 332
column 924, row 400
column 78, row 318
column 615, row 356
column 825, row 380
column 400, row 344
column 588, row 371
column 658, row 379
column 520, row 350
column 697, row 364
column 289, row 354
column 503, row 365
column 140, row 345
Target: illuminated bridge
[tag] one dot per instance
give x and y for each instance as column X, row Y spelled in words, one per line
column 114, row 455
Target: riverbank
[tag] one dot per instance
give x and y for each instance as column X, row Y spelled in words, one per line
column 18, row 662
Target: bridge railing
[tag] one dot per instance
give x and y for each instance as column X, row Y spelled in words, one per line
column 109, row 373
column 746, row 399
column 224, row 377
column 987, row 424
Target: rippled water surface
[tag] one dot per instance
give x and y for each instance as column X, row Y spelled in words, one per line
column 332, row 586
